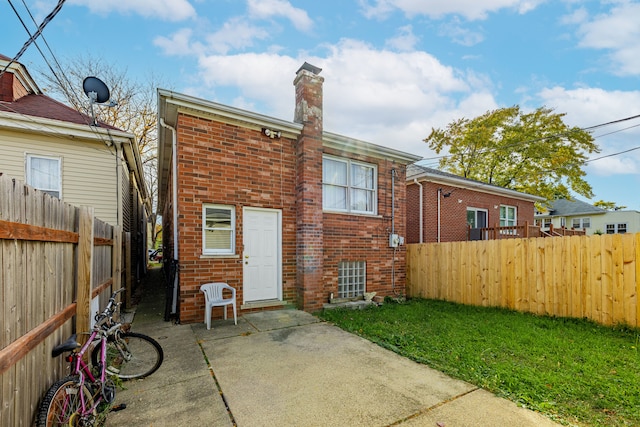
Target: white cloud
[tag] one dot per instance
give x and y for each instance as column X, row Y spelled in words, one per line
column 264, row 9
column 236, row 33
column 586, row 107
column 404, row 41
column 179, row 43
column 170, row 10
column 617, row 31
column 470, row 9
column 460, row 35
column 388, row 98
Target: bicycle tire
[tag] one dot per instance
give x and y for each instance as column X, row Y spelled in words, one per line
column 61, row 402
column 145, row 353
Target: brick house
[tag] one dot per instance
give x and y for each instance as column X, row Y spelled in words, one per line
column 284, row 212
column 452, row 205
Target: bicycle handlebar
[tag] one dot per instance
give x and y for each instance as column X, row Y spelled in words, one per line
column 107, row 313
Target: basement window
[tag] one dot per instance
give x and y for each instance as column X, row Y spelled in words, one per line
column 352, row 277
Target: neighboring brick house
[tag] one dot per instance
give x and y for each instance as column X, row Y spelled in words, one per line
column 284, row 212
column 56, row 149
column 452, row 205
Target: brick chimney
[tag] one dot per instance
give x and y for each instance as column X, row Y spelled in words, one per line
column 309, row 227
column 15, row 82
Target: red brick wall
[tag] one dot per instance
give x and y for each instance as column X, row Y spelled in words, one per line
column 366, row 238
column 225, row 164
column 453, row 211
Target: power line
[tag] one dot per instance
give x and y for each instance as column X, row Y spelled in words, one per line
column 32, row 38
column 437, row 158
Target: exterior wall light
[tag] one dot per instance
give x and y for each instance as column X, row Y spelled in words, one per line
column 272, row 133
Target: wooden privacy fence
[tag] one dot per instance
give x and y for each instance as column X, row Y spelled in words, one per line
column 597, row 277
column 54, row 260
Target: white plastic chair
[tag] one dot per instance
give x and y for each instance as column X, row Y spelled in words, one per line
column 213, row 298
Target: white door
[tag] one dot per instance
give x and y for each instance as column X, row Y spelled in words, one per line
column 261, row 256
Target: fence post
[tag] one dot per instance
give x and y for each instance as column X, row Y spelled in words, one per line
column 128, row 277
column 116, row 259
column 526, row 229
column 85, row 267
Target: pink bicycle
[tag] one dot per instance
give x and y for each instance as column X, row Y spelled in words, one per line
column 80, row 398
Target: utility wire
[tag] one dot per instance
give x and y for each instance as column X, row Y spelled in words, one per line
column 32, row 38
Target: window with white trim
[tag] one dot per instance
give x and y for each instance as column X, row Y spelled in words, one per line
column 508, row 216
column 580, row 223
column 218, row 230
column 44, row 173
column 619, row 228
column 477, row 218
column 352, row 276
column 348, row 186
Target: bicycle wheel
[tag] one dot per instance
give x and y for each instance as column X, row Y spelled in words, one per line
column 130, row 355
column 62, row 404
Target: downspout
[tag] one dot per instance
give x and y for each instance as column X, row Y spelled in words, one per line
column 174, row 202
column 415, row 180
column 393, row 230
column 439, row 194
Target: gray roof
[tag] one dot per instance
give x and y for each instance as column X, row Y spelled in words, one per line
column 418, row 172
column 564, row 207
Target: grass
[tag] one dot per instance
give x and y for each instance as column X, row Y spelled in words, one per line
column 572, row 370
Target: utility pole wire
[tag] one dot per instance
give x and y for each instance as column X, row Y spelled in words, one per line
column 35, row 35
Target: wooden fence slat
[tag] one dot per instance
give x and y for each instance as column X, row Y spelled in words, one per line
column 38, row 247
column 597, row 277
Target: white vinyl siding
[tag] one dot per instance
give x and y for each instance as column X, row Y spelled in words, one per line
column 88, row 168
column 218, row 230
column 349, row 186
column 580, row 223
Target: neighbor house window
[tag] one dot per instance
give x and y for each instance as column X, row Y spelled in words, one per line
column 351, row 278
column 218, row 229
column 476, row 218
column 547, row 222
column 581, row 222
column 616, row 228
column 348, row 186
column 44, row 174
column 508, row 216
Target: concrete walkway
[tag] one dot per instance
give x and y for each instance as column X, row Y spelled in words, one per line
column 286, row 368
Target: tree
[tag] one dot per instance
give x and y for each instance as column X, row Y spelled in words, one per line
column 534, row 153
column 610, row 206
column 135, row 111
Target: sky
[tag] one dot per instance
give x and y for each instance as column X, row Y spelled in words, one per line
column 393, row 69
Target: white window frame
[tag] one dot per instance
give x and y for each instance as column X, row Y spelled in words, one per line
column 475, row 214
column 232, row 245
column 29, row 174
column 615, row 228
column 350, row 188
column 504, row 221
column 582, row 223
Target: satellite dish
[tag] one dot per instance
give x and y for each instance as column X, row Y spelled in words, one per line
column 95, row 89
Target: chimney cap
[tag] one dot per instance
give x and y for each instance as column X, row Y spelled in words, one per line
column 308, row 67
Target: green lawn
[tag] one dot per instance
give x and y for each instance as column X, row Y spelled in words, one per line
column 574, row 371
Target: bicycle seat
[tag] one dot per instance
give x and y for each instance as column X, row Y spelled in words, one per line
column 68, row 345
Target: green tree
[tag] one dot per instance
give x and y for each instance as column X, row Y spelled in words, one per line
column 535, row 153
column 610, row 206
